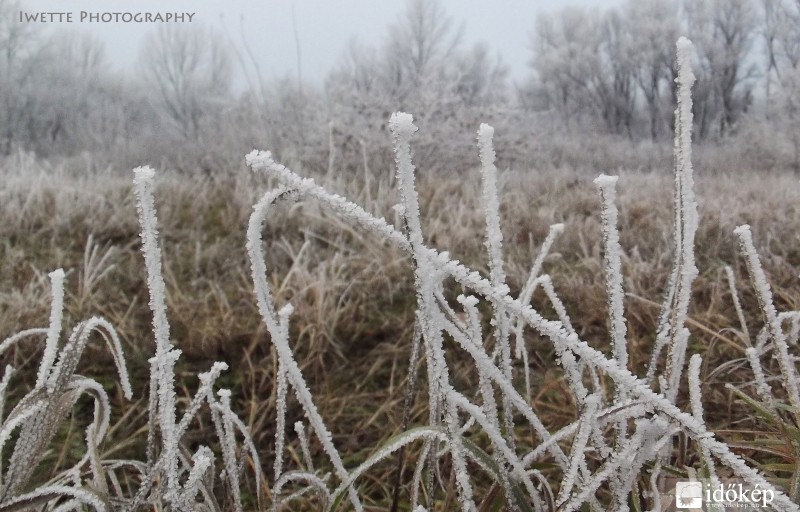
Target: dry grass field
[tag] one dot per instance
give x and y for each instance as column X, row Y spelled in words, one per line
column 354, row 295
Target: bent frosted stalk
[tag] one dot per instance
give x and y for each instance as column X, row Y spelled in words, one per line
column 164, row 359
column 278, row 328
column 54, row 330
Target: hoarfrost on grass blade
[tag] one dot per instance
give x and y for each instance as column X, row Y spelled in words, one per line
column 165, row 357
column 737, row 305
column 767, row 306
column 612, row 263
column 54, row 331
column 277, row 325
column 695, row 398
column 672, row 317
column 494, row 246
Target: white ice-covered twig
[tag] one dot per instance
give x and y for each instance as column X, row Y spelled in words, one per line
column 773, row 324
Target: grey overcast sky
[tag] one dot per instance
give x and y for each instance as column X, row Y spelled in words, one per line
column 325, row 27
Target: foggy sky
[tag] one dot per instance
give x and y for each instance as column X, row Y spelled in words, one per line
column 324, row 27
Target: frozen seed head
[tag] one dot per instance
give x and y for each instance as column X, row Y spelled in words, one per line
column 258, row 157
column 741, row 230
column 402, row 123
column 485, row 132
column 605, row 181
column 143, row 174
column 557, row 228
column 286, row 311
column 684, row 48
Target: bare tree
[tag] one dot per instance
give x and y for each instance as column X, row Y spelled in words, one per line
column 654, row 27
column 421, row 67
column 723, row 32
column 583, row 61
column 18, row 41
column 190, row 66
column 781, row 32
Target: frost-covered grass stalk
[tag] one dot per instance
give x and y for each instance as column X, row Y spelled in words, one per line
column 494, row 245
column 676, row 304
column 165, row 358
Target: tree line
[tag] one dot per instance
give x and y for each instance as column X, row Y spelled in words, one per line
column 606, row 71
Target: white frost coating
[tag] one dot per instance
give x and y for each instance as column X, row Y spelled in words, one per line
column 528, row 289
column 427, row 276
column 262, row 161
column 207, row 380
column 525, row 297
column 202, row 460
column 97, row 430
column 228, row 442
column 15, row 338
column 499, row 443
column 463, row 486
column 166, row 395
column 737, row 305
column 310, row 479
column 675, row 364
column 487, row 367
column 13, row 422
column 280, row 419
column 402, row 127
column 588, row 418
column 71, row 353
column 248, row 440
column 7, row 374
column 54, row 492
column 684, row 270
column 491, row 204
column 762, row 387
column 267, row 310
column 165, row 359
column 605, row 180
column 143, row 181
column 695, row 398
column 54, row 330
column 494, row 245
column 304, row 447
column 401, row 440
column 613, row 267
column 764, row 294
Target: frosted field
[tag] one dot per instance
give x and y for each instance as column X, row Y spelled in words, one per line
column 602, row 336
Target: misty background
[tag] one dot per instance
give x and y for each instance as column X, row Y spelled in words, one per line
column 589, row 86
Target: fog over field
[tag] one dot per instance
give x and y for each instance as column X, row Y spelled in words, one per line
column 409, row 256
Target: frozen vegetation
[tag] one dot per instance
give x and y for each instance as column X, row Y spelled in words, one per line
column 481, row 444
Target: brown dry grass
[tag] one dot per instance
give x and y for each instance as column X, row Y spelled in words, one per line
column 353, row 295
